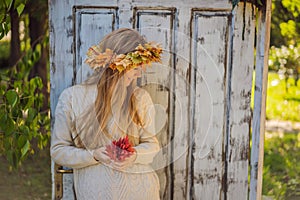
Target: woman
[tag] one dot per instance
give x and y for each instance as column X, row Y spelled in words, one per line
column 105, row 108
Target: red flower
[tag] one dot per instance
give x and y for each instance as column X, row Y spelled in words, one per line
column 120, row 149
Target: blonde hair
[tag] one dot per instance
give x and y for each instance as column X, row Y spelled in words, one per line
column 114, row 98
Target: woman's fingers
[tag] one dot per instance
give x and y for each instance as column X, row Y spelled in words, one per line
column 125, row 163
column 100, row 155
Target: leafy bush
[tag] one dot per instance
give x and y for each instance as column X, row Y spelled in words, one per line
column 4, row 49
column 4, row 53
column 22, row 125
column 285, row 61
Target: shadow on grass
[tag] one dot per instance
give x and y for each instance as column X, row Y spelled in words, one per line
column 297, row 99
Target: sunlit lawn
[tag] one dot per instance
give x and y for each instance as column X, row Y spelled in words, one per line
column 281, row 178
column 283, row 104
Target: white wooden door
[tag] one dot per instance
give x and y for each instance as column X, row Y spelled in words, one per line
column 201, row 90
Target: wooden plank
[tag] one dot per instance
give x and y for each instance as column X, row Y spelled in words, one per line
column 91, row 25
column 210, row 33
column 259, row 113
column 157, row 25
column 61, row 66
column 239, row 114
column 61, row 58
column 180, row 140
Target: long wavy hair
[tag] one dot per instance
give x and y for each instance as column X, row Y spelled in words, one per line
column 114, row 99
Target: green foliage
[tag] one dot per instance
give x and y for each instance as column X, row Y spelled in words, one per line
column 20, row 8
column 282, row 104
column 236, row 2
column 5, row 7
column 21, row 123
column 285, row 14
column 293, row 6
column 285, row 60
column 281, row 177
column 288, row 29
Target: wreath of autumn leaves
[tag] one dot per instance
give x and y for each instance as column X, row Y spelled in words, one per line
column 141, row 56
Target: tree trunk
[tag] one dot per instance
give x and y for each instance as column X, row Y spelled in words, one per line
column 37, row 32
column 15, row 50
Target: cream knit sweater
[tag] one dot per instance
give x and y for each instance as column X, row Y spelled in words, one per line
column 93, row 180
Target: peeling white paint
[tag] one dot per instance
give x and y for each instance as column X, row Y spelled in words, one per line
column 204, row 84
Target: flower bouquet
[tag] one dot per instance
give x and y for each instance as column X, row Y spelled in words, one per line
column 120, row 149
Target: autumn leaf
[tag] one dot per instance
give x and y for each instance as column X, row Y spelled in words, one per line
column 143, row 55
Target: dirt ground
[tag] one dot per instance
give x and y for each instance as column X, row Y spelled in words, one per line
column 282, row 126
column 31, row 182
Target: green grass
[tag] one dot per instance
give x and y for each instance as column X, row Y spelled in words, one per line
column 283, row 104
column 281, row 178
column 31, row 182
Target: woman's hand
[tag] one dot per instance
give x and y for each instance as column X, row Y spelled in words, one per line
column 101, row 156
column 129, row 161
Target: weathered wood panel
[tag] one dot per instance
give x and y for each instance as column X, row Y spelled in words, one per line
column 201, row 90
column 61, row 40
column 91, row 25
column 61, row 69
column 259, row 112
column 156, row 24
column 209, row 64
column 239, row 119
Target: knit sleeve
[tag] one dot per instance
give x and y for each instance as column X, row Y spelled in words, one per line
column 148, row 144
column 62, row 150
